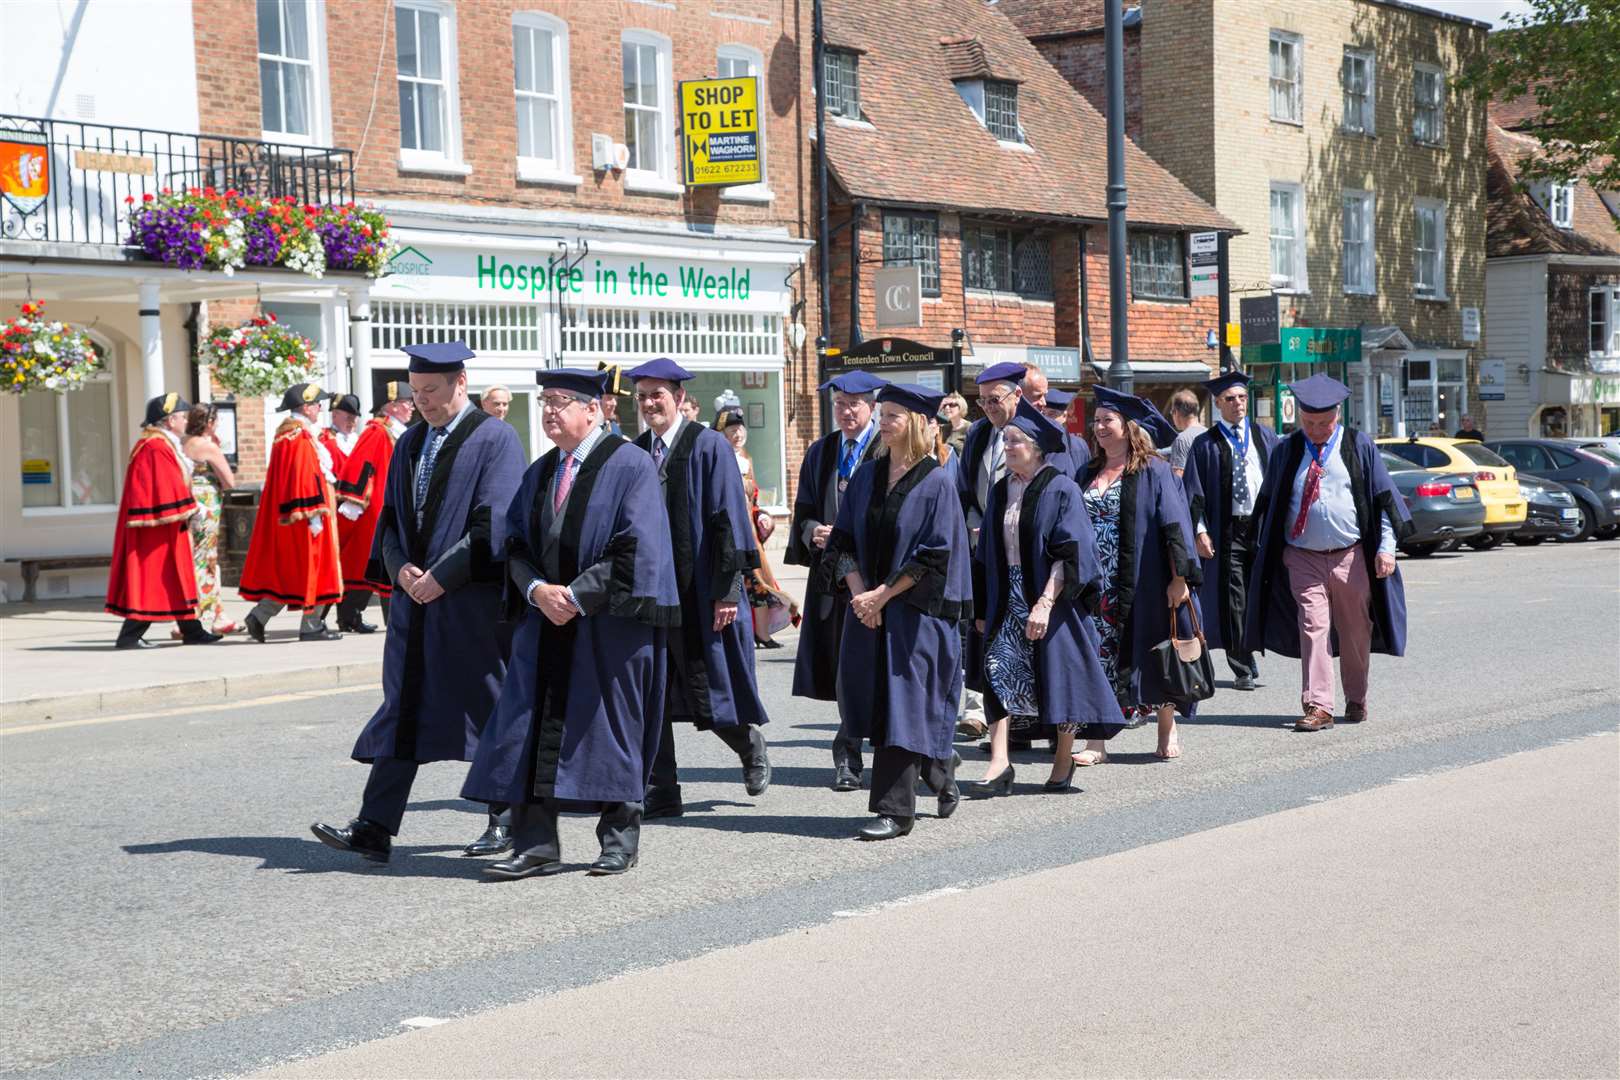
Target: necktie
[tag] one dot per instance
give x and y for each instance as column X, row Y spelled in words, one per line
column 998, row 459
column 846, row 464
column 1240, row 469
column 424, row 472
column 565, row 484
column 658, row 451
column 1313, row 486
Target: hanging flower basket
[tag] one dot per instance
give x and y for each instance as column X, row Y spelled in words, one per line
column 259, row 358
column 40, row 355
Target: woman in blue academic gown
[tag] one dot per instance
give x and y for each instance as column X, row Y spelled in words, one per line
column 900, row 549
column 1037, row 584
column 1144, row 545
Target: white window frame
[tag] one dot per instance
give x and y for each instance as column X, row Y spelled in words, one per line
column 1612, row 316
column 559, row 170
column 1435, row 290
column 1370, row 58
column 662, row 180
column 1561, row 204
column 1363, row 264
column 754, row 61
column 1299, row 283
column 1296, row 95
column 65, row 506
column 1438, row 137
column 319, row 87
column 833, row 57
column 449, row 161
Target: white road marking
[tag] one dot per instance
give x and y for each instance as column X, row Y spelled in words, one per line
column 898, row 902
column 185, row 710
column 423, row 1022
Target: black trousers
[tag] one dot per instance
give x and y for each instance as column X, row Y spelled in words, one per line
column 134, row 629
column 895, row 772
column 664, row 786
column 1241, row 660
column 534, row 829
column 388, row 789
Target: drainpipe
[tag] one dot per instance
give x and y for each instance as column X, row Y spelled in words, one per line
column 857, row 211
column 1085, row 300
column 823, row 245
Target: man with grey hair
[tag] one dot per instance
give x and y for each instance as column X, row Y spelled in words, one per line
column 496, row 401
column 1184, row 410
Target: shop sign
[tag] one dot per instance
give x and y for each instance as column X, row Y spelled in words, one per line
column 1470, row 324
column 1492, row 379
column 1320, row 345
column 1203, row 257
column 1258, row 316
column 1290, row 412
column 409, row 262
column 36, row 471
column 641, row 279
column 25, row 170
column 890, row 352
column 720, row 130
column 1061, row 364
column 1386, row 396
column 899, row 296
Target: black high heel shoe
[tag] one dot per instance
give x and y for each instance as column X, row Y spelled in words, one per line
column 1000, row 784
column 1054, row 787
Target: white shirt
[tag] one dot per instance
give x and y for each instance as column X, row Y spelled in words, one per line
column 668, row 438
column 346, row 440
column 1252, row 468
column 578, row 454
column 1331, row 523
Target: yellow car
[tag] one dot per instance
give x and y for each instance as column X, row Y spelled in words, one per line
column 1498, row 482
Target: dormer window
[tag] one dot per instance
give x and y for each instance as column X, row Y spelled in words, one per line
column 1558, row 199
column 840, row 68
column 995, row 104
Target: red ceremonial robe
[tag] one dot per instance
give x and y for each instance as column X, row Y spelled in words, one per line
column 361, row 482
column 286, row 561
column 329, row 440
column 153, row 578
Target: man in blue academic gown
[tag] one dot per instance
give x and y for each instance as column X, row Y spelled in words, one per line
column 590, row 576
column 1325, row 579
column 711, row 656
column 442, row 526
column 1075, row 449
column 1225, row 470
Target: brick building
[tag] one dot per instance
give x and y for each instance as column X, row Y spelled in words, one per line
column 954, row 146
column 492, row 134
column 1328, row 133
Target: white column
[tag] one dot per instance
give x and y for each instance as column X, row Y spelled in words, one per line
column 151, row 340
column 1369, row 400
column 360, row 345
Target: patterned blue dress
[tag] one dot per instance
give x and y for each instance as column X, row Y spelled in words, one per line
column 1009, row 660
column 1103, row 506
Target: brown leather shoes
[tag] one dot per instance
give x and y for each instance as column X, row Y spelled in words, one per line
column 1314, row 720
column 1354, row 712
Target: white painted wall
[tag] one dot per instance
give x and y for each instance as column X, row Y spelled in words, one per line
column 128, row 62
column 1516, row 331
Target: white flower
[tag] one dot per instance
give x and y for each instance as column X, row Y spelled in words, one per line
column 52, row 383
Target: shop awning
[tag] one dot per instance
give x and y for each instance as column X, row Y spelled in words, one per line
column 1161, row 371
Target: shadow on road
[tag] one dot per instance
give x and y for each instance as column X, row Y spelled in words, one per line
column 816, row 827
column 309, row 856
column 785, row 775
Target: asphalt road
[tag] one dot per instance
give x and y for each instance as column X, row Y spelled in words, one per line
column 167, row 912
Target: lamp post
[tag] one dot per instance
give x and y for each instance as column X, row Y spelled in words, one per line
column 1119, row 363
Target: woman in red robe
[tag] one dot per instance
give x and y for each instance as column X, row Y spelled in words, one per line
column 152, row 578
column 360, row 487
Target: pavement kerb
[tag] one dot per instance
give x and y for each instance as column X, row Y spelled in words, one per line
column 189, row 692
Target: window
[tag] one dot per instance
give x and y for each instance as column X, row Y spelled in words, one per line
column 843, row 88
column 1563, row 459
column 1158, row 270
column 1480, row 455
column 1001, row 110
column 913, row 238
column 1287, row 77
column 999, row 259
column 540, row 83
column 647, row 123
column 288, row 70
column 1357, row 75
column 70, row 460
column 428, row 121
column 736, row 62
column 1429, row 249
column 1561, row 204
column 1604, row 321
column 1358, row 243
column 1429, row 103
column 1287, row 237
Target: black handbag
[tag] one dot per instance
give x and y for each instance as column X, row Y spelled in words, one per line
column 1184, row 663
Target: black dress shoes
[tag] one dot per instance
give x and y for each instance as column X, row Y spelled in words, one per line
column 757, row 765
column 1000, row 784
column 325, row 633
column 357, row 626
column 1243, row 682
column 612, row 862
column 523, row 866
column 365, row 838
column 255, row 628
column 206, row 637
column 653, row 811
column 133, row 643
column 847, row 779
column 497, row 840
column 886, row 828
column 950, row 796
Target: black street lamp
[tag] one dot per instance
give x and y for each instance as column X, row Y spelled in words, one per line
column 1119, row 364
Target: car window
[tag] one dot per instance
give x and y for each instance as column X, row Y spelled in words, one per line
column 1563, row 458
column 1398, row 464
column 1478, row 454
column 1521, row 456
column 1412, row 452
column 1435, row 458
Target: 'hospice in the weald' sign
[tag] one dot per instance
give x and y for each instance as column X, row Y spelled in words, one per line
column 636, row 279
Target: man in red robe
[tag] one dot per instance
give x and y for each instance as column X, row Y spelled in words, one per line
column 292, row 560
column 153, row 578
column 360, row 487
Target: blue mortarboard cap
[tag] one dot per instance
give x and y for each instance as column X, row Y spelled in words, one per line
column 919, row 399
column 304, row 393
column 1058, row 399
column 1031, row 421
column 1224, row 382
column 1006, row 371
column 854, row 382
column 1160, row 430
column 1141, row 410
column 575, row 380
column 438, row 357
column 1319, row 393
column 661, row 368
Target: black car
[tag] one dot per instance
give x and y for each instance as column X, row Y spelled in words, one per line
column 1445, row 506
column 1592, row 478
column 1551, row 511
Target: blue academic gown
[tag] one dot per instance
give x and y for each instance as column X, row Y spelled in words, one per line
column 899, row 684
column 1207, row 482
column 1273, row 616
column 1155, row 544
column 1053, row 528
column 712, row 539
column 974, row 446
column 443, row 662
column 580, row 714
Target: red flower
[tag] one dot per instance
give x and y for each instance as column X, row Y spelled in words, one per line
column 147, row 197
column 129, row 199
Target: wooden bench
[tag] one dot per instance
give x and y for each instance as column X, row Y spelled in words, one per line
column 32, row 567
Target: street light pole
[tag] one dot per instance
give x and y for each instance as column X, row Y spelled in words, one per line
column 1119, row 364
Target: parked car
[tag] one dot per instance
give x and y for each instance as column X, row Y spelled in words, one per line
column 1590, row 475
column 1497, row 480
column 1553, row 511
column 1445, row 506
column 1604, row 444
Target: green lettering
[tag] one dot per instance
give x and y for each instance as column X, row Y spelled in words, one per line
column 482, row 271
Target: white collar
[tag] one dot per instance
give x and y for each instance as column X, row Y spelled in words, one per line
column 673, row 433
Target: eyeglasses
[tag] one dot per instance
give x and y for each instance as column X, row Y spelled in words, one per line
column 558, row 404
column 1232, row 399
column 999, row 399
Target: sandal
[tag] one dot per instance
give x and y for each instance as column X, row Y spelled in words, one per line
column 1089, row 757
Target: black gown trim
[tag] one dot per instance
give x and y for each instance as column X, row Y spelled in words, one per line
column 687, row 653
column 357, row 487
column 800, row 553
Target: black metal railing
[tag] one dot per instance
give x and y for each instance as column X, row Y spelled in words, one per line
column 72, row 182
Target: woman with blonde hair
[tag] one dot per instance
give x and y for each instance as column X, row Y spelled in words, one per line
column 765, row 593
column 900, row 548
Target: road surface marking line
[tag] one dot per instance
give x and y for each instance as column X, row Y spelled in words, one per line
column 185, row 710
column 898, row 902
column 423, row 1022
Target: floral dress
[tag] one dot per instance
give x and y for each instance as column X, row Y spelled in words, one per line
column 1103, row 506
column 205, row 544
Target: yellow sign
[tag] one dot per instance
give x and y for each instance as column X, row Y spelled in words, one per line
column 1234, row 336
column 720, row 130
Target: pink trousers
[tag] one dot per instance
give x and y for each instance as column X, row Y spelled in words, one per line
column 1331, row 591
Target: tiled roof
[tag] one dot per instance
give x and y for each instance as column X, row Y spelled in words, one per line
column 926, row 148
column 1515, row 224
column 966, row 58
column 1053, row 18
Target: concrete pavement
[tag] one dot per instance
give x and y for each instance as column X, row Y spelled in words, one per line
column 1455, row 924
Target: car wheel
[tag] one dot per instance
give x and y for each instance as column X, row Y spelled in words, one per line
column 1421, row 551
column 1581, row 529
column 1611, row 533
column 1527, row 541
column 1485, row 541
